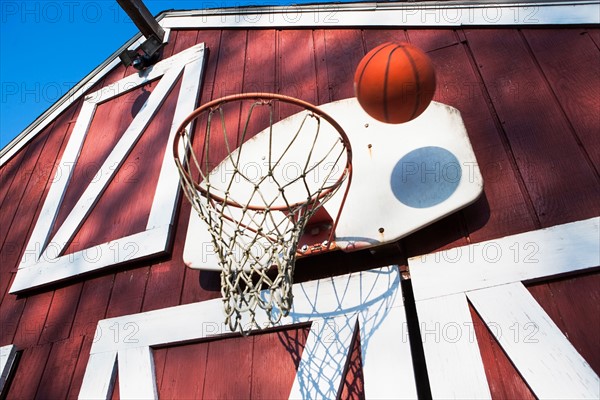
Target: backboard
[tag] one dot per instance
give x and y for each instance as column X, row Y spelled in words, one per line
column 405, row 177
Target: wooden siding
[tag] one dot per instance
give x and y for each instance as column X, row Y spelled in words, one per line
column 529, row 99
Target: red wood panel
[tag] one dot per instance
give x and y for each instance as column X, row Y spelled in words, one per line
column 574, row 305
column 449, row 232
column 503, row 379
column 127, row 293
column 80, row 366
column 566, row 58
column 374, row 37
column 276, row 356
column 165, row 281
column 342, row 49
column 229, row 369
column 59, row 369
column 124, row 206
column 432, row 39
column 10, row 171
column 184, row 372
column 503, row 208
column 27, row 174
column 539, row 135
column 107, row 127
column 296, row 65
column 192, row 290
column 29, row 372
column 594, row 34
column 353, row 385
column 61, row 313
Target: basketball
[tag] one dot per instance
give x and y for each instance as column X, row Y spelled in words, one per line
column 394, row 83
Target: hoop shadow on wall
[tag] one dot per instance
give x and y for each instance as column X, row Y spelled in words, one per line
column 362, row 305
column 425, row 177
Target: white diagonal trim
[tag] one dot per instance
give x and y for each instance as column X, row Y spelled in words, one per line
column 387, row 365
column 8, row 356
column 324, row 357
column 168, row 180
column 176, row 62
column 526, row 256
column 99, row 379
column 132, row 247
column 454, row 363
column 58, row 187
column 40, row 263
column 137, row 379
column 548, row 362
column 114, row 160
column 332, row 305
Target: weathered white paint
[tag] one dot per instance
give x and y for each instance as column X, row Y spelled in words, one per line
column 99, row 384
column 489, row 274
column 8, row 356
column 392, row 14
column 137, row 379
column 548, row 362
column 40, row 264
column 438, row 164
column 526, row 256
column 385, row 344
column 333, row 306
column 132, row 247
column 454, row 364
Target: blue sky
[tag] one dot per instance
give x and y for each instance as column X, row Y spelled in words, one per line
column 47, row 46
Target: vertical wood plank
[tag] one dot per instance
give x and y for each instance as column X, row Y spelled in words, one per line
column 222, row 356
column 454, row 364
column 503, row 209
column 326, row 351
column 296, row 65
column 543, row 355
column 374, row 37
column 574, row 305
column 92, row 307
column 29, row 372
column 565, row 57
column 344, row 50
column 353, row 384
column 539, row 134
column 432, row 39
column 127, row 293
column 386, row 361
column 276, row 357
column 166, row 279
column 184, row 372
column 59, row 369
column 32, row 320
column 61, row 314
column 504, row 380
column 192, row 289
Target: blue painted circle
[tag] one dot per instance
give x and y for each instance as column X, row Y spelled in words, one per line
column 425, row 177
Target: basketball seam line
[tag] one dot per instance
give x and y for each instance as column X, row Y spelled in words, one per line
column 385, row 84
column 417, row 82
column 383, row 46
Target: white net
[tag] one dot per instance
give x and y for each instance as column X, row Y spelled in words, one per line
column 257, row 201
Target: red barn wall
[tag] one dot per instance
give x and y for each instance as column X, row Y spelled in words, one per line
column 529, row 99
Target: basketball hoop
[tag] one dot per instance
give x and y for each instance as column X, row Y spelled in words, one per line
column 258, row 199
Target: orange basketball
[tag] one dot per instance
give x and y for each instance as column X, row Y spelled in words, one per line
column 394, row 83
